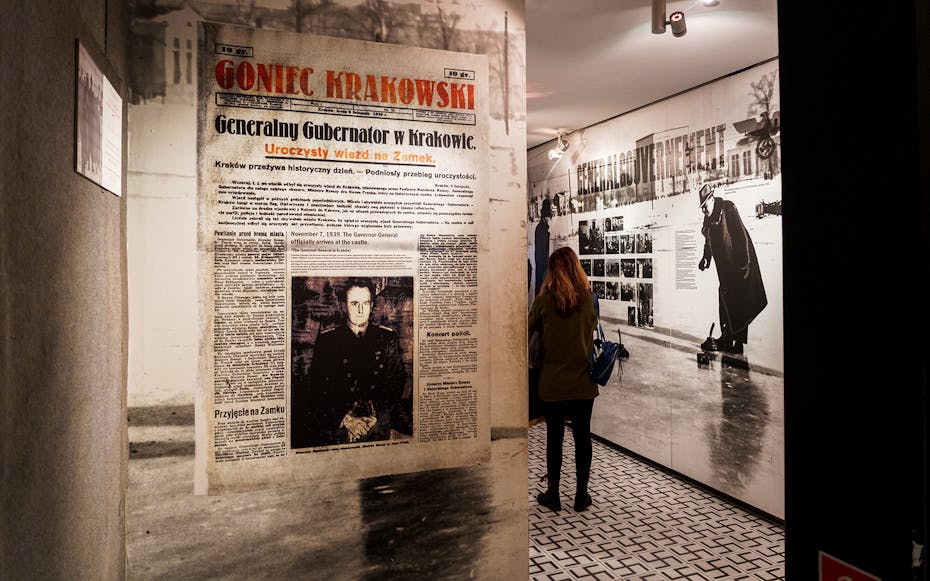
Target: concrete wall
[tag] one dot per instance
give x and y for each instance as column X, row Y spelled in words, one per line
column 63, row 323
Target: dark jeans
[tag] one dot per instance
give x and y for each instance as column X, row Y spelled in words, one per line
column 579, row 411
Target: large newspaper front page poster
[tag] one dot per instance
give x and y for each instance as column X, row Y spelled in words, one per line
column 343, row 242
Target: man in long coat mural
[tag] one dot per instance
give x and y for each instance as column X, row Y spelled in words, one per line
column 741, row 292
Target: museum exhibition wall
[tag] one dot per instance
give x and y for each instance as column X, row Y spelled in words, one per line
column 675, row 212
column 206, row 277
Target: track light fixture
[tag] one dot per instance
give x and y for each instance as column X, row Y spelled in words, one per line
column 561, row 146
column 676, row 20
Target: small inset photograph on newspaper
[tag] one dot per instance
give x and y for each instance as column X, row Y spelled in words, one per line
column 351, row 360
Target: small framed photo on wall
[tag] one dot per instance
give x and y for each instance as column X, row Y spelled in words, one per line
column 98, row 143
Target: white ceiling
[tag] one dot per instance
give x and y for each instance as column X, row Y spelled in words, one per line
column 590, row 60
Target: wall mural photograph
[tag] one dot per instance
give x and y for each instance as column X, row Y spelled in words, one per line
column 675, row 212
column 165, row 92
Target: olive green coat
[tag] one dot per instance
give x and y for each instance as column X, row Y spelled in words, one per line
column 566, row 349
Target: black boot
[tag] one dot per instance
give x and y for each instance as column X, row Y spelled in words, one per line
column 550, row 500
column 734, row 347
column 582, row 501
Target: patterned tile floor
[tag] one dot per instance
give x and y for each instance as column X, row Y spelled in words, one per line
column 645, row 524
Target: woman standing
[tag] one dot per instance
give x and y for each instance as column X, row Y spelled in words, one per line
column 565, row 310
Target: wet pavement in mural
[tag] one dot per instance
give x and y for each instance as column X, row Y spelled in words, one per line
column 720, row 423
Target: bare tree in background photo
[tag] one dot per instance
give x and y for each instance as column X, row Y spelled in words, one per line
column 439, row 28
column 378, row 19
column 314, row 15
column 763, row 92
column 762, row 129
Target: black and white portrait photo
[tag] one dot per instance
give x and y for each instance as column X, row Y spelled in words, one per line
column 351, row 360
column 626, row 244
column 591, row 237
column 643, row 243
column 612, row 245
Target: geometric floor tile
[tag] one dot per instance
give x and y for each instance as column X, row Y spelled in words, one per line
column 645, row 524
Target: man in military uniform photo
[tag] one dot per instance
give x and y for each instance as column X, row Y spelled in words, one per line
column 356, row 380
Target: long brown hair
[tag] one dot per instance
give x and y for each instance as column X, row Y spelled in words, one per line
column 565, row 281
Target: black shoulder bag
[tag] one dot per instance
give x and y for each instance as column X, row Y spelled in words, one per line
column 604, row 353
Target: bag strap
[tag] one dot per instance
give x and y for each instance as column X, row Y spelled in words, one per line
column 597, row 311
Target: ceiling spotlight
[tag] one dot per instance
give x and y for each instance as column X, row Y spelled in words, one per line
column 676, row 20
column 710, row 3
column 561, row 147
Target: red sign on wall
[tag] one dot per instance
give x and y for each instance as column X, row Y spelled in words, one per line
column 832, row 569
